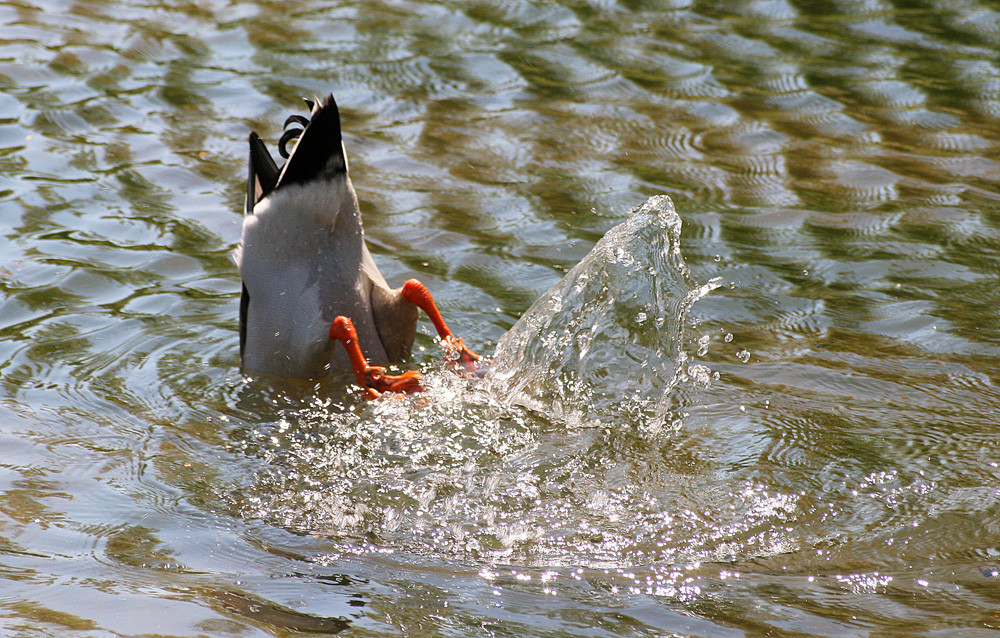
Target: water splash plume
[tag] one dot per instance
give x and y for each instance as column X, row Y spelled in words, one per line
column 606, row 342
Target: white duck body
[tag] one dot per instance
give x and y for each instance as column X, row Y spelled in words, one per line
column 304, row 261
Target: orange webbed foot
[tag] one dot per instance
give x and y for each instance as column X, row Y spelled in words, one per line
column 417, row 294
column 372, row 379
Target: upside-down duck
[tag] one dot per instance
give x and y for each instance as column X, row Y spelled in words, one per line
column 308, row 278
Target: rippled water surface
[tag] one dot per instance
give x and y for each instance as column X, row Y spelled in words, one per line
column 784, row 420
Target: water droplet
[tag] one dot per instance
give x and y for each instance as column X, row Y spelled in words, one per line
column 743, row 355
column 703, row 345
column 728, row 337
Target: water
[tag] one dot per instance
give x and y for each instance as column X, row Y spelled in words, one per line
column 781, row 423
column 606, row 342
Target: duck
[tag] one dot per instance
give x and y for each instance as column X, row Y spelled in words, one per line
column 308, row 278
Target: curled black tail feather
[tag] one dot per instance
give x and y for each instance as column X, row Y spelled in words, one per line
column 319, row 152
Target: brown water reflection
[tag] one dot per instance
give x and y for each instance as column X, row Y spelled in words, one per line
column 835, row 473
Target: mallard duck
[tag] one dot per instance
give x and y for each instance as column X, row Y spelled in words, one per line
column 308, row 277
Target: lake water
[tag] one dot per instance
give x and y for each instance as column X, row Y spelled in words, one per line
column 783, row 421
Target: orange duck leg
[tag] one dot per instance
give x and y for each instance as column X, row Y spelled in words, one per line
column 417, row 294
column 372, row 379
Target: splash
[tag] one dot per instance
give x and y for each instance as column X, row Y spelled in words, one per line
column 606, row 342
column 473, row 473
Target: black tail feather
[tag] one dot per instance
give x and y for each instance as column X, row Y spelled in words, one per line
column 263, row 176
column 319, row 151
